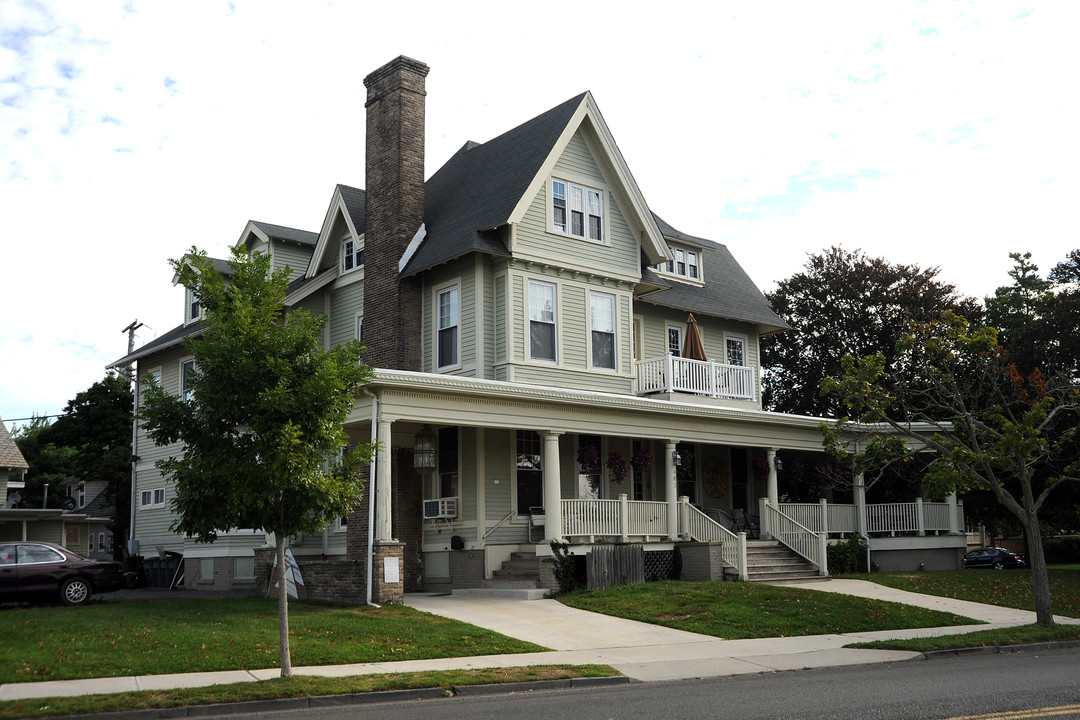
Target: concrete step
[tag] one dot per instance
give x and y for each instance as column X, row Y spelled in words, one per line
column 504, row 593
column 511, row 583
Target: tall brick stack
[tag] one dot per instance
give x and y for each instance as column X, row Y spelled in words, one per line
column 395, row 210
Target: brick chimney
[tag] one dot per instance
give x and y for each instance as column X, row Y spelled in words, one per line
column 394, row 211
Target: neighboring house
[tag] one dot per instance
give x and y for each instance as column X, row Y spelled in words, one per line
column 89, row 499
column 18, row 522
column 527, row 316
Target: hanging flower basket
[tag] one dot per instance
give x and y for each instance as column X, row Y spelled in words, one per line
column 616, row 463
column 588, row 457
column 641, row 461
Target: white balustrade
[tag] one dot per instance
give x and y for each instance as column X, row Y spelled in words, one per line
column 700, row 377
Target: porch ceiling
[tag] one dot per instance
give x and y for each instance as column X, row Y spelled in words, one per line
column 454, row 400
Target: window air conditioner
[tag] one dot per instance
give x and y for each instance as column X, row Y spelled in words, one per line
column 440, row 509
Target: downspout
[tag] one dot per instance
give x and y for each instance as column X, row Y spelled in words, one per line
column 371, row 495
column 134, row 463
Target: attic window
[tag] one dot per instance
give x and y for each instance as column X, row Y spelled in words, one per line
column 685, row 263
column 194, row 308
column 577, row 210
column 352, row 255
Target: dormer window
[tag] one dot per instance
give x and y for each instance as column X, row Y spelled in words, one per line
column 684, row 263
column 577, row 210
column 194, row 308
column 352, row 255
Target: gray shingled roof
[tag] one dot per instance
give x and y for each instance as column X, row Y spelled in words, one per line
column 479, row 187
column 728, row 291
column 355, row 204
column 10, row 456
column 280, row 232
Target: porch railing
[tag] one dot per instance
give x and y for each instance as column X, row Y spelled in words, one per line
column 811, row 545
column 918, row 517
column 700, row 377
column 620, row 519
column 703, row 528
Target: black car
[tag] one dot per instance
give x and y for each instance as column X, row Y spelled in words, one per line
column 994, row 557
column 39, row 570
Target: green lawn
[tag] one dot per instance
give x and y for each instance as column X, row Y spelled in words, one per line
column 1008, row 588
column 749, row 610
column 141, row 637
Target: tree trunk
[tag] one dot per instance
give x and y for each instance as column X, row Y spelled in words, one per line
column 283, row 609
column 1040, row 580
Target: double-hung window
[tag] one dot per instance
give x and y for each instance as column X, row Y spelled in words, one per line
column 577, row 210
column 194, row 307
column 447, row 330
column 542, row 321
column 352, row 255
column 684, row 263
column 187, row 380
column 736, row 351
column 602, row 311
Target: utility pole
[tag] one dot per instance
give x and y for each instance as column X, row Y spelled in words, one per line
column 130, row 330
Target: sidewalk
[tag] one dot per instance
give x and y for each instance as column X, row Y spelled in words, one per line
column 641, row 651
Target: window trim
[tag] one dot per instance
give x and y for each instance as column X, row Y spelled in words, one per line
column 614, row 331
column 356, row 255
column 184, row 394
column 437, row 292
column 359, row 326
column 554, row 321
column 192, row 307
column 670, row 268
column 668, row 327
column 587, row 187
column 745, row 345
column 156, row 497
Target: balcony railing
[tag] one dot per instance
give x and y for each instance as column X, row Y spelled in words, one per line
column 884, row 519
column 672, row 374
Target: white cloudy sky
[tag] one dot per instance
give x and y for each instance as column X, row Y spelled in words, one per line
column 936, row 133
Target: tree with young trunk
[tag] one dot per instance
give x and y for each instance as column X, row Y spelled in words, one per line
column 958, row 398
column 262, row 431
column 843, row 303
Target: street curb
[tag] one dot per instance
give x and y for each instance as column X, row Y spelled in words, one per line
column 325, row 701
column 1000, row 649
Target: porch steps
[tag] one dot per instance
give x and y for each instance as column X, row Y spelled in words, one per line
column 769, row 561
column 517, row 579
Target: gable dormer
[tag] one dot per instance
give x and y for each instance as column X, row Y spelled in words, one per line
column 287, row 247
column 340, row 244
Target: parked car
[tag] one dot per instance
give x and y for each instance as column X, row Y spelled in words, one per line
column 38, row 570
column 994, row 557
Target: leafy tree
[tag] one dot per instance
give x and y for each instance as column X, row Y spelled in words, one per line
column 983, row 424
column 97, row 426
column 50, row 463
column 843, row 303
column 262, row 434
column 1015, row 306
column 1047, row 334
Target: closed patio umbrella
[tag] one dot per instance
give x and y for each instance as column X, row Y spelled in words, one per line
column 693, row 348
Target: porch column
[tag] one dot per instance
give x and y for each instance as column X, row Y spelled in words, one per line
column 954, row 514
column 671, row 490
column 860, row 503
column 771, row 491
column 549, row 464
column 383, row 528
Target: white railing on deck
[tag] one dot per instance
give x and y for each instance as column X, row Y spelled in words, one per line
column 811, row 545
column 620, row 519
column 701, row 377
column 918, row 517
column 703, row 528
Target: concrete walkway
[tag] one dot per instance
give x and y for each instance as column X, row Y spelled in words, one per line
column 639, row 650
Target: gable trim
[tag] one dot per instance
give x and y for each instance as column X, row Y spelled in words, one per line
column 337, row 208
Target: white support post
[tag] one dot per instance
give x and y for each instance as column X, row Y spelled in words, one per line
column 860, row 503
column 669, row 374
column 714, row 391
column 549, row 465
column 825, row 516
column 920, row 519
column 763, row 519
column 671, row 486
column 823, row 548
column 956, row 512
column 383, row 508
column 684, row 517
column 743, row 574
column 773, row 493
column 624, row 518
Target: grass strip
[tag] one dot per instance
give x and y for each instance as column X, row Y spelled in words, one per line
column 293, row 687
column 750, row 610
column 1022, row 635
column 162, row 636
column 1006, row 588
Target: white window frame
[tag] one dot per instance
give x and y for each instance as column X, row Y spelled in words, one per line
column 554, row 322
column 728, row 337
column 613, row 332
column 80, row 495
column 667, row 339
column 192, row 307
column 186, row 394
column 571, row 197
column 685, row 264
column 152, row 498
column 360, row 327
column 454, row 289
column 352, row 254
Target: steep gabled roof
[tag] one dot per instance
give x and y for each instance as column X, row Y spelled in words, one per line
column 10, row 456
column 349, row 204
column 727, row 292
column 267, row 231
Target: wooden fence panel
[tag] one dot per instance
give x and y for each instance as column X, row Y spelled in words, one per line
column 615, row 565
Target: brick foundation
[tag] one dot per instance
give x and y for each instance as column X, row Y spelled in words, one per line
column 702, row 561
column 383, row 592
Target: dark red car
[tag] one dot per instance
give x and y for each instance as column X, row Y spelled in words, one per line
column 37, row 570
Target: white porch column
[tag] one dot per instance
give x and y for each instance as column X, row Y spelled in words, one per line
column 860, row 503
column 772, row 493
column 671, row 490
column 954, row 514
column 549, row 464
column 383, row 528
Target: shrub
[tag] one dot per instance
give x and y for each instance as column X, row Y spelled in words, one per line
column 564, row 567
column 847, row 556
column 1062, row 549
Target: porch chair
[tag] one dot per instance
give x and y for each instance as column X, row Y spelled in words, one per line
column 537, row 518
column 725, row 519
column 750, row 524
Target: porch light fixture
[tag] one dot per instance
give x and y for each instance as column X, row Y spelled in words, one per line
column 424, row 449
column 779, row 465
column 676, row 458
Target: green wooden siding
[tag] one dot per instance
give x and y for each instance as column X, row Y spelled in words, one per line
column 296, row 257
column 345, row 303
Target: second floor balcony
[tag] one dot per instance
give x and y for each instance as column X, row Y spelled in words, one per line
column 706, row 378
